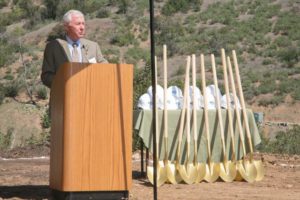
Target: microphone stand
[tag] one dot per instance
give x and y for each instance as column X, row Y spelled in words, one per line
column 153, row 72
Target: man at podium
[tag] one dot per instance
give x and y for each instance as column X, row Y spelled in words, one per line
column 71, row 48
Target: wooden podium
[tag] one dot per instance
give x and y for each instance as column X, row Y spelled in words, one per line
column 91, row 130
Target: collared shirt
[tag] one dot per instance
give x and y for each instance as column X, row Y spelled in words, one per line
column 70, row 45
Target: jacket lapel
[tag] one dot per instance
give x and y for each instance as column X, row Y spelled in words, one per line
column 64, row 45
column 84, row 51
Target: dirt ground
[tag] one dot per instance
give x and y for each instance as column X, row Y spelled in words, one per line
column 28, row 179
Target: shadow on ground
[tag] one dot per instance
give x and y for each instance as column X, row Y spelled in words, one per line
column 25, row 192
column 44, row 192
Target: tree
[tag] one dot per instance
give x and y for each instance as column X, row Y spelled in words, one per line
column 51, row 6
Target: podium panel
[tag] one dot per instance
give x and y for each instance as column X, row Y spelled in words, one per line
column 91, row 132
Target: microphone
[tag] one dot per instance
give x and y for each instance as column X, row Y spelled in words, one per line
column 84, row 53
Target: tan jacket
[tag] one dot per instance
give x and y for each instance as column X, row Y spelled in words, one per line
column 57, row 53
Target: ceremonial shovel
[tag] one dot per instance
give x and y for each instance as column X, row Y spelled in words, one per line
column 173, row 168
column 188, row 171
column 258, row 163
column 201, row 167
column 246, row 169
column 227, row 168
column 212, row 169
column 172, row 176
column 161, row 170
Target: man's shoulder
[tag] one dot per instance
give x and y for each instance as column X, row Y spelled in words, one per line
column 55, row 42
column 89, row 42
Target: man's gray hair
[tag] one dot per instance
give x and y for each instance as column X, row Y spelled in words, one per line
column 68, row 16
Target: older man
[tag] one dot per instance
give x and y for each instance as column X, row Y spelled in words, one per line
column 72, row 48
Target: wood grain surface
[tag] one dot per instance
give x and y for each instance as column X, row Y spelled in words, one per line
column 91, row 133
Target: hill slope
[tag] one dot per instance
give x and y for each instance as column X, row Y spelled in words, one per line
column 264, row 33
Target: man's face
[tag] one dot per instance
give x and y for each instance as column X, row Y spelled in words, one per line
column 75, row 29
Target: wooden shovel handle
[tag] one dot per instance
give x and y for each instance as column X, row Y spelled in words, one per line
column 238, row 116
column 182, row 117
column 165, row 91
column 205, row 105
column 156, row 110
column 213, row 63
column 230, row 120
column 194, row 104
column 238, row 79
column 165, row 66
column 188, row 120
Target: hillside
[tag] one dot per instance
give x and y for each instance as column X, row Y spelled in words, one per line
column 265, row 34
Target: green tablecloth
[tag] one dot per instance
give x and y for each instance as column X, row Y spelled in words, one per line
column 143, row 125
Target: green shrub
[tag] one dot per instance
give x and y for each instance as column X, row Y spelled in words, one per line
column 267, row 61
column 8, row 77
column 6, row 139
column 171, row 7
column 43, row 139
column 7, row 50
column 296, row 93
column 285, row 142
column 180, row 71
column 177, row 82
column 254, row 76
column 282, row 41
column 56, row 8
column 276, row 100
column 287, row 85
column 136, row 141
column 290, row 56
column 141, row 81
column 42, row 92
column 57, row 32
column 2, row 29
column 288, row 24
column 169, row 32
column 266, row 86
column 249, row 92
column 143, row 28
column 2, row 93
column 46, row 120
column 3, row 3
column 2, row 96
column 123, row 38
column 12, row 89
column 133, row 55
column 224, row 13
column 112, row 55
column 267, row 10
column 11, row 17
column 103, row 13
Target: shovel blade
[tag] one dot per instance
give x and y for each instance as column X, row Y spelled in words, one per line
column 260, row 170
column 228, row 171
column 246, row 171
column 188, row 173
column 161, row 174
column 201, row 171
column 172, row 173
column 212, row 172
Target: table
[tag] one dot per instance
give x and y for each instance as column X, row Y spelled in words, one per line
column 143, row 125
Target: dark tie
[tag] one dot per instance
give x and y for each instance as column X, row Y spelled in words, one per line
column 75, row 55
